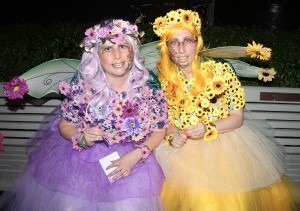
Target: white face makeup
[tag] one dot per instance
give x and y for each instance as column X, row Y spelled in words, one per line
column 182, row 47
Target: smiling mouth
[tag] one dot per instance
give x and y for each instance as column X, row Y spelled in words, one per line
column 118, row 65
column 182, row 59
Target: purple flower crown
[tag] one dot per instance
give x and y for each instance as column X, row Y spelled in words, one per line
column 114, row 31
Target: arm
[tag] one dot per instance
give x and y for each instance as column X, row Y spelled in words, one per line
column 91, row 135
column 232, row 122
column 67, row 129
column 127, row 162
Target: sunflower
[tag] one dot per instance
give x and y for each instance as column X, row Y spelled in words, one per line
column 266, row 74
column 218, row 85
column 158, row 26
column 211, row 133
column 172, row 18
column 257, row 51
column 265, row 54
column 187, row 16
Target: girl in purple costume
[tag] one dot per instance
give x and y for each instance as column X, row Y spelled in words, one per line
column 113, row 105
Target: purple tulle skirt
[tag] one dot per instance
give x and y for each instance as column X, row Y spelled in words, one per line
column 58, row 177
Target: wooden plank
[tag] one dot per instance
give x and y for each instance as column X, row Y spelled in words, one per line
column 22, row 117
column 20, row 125
column 29, row 110
column 279, row 107
column 17, row 133
column 14, row 149
column 284, row 124
column 253, row 92
column 292, row 149
column 14, row 141
column 277, row 96
column 55, row 101
column 288, row 141
column 277, row 115
column 287, row 133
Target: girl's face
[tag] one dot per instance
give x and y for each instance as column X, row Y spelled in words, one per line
column 116, row 59
column 182, row 47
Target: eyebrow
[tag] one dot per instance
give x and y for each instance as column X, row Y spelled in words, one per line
column 184, row 38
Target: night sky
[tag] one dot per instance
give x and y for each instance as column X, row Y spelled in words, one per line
column 229, row 12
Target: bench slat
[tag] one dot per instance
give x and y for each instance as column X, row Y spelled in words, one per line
column 30, row 110
column 20, row 125
column 272, row 107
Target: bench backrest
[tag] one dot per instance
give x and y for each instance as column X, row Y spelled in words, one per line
column 20, row 119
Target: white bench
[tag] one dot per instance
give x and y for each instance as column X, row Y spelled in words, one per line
column 279, row 106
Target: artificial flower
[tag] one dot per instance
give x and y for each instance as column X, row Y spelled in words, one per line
column 266, row 74
column 258, row 51
column 223, row 89
column 64, row 88
column 113, row 32
column 218, row 85
column 15, row 88
column 210, row 134
column 122, row 120
column 185, row 18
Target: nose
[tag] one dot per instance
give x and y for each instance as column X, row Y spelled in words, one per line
column 181, row 47
column 116, row 54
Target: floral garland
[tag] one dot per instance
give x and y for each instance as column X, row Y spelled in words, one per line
column 123, row 120
column 114, row 31
column 222, row 93
column 176, row 17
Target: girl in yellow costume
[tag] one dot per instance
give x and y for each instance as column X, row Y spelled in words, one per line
column 213, row 157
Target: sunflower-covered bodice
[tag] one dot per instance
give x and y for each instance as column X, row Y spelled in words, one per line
column 221, row 94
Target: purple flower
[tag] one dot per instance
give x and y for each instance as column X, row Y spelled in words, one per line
column 132, row 125
column 130, row 110
column 15, row 88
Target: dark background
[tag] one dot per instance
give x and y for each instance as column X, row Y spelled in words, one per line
column 260, row 13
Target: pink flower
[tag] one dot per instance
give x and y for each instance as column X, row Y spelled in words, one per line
column 64, row 88
column 130, row 110
column 15, row 88
column 1, row 145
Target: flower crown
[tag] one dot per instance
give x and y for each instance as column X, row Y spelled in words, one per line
column 176, row 17
column 113, row 30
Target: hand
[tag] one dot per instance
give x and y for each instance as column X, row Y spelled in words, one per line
column 124, row 164
column 179, row 140
column 92, row 135
column 195, row 131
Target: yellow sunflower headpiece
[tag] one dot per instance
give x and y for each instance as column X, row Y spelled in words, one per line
column 176, row 17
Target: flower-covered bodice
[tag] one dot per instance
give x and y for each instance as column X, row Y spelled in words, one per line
column 222, row 93
column 122, row 119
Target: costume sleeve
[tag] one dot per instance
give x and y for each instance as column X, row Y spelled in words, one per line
column 236, row 93
column 74, row 105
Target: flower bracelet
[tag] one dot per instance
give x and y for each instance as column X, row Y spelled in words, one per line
column 79, row 143
column 211, row 132
column 145, row 152
column 169, row 139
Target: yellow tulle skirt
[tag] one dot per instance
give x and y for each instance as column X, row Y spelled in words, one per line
column 242, row 170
